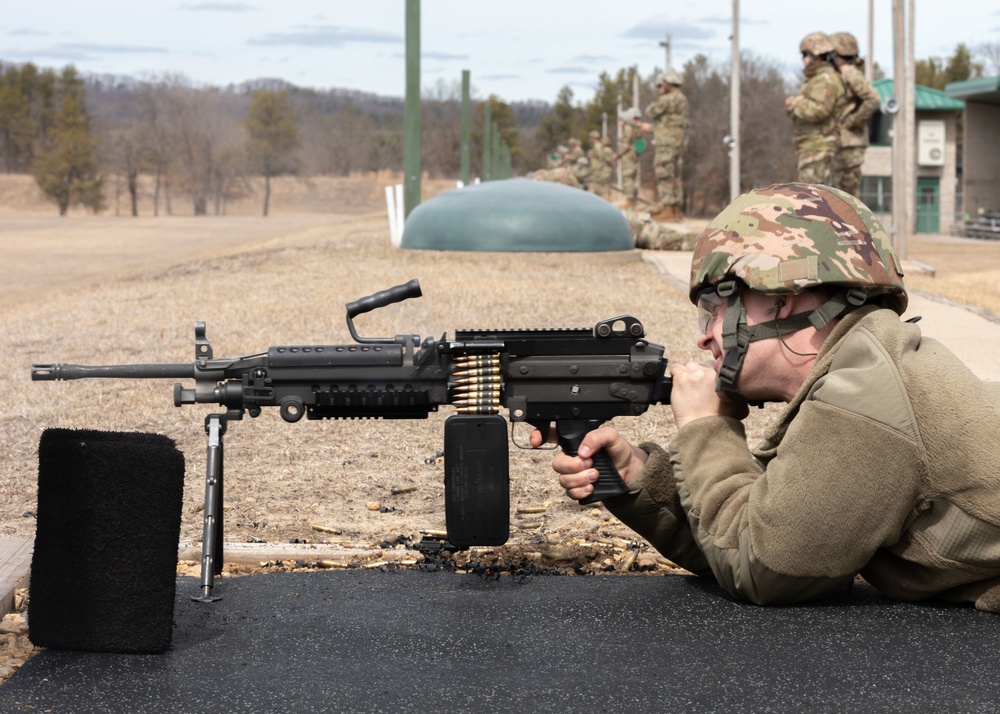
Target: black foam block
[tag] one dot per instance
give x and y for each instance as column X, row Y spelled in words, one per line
column 104, row 567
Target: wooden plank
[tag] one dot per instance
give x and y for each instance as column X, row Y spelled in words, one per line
column 15, row 559
column 252, row 553
column 15, row 564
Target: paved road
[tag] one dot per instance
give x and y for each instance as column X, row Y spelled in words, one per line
column 408, row 641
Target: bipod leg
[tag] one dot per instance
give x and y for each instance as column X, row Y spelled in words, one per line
column 212, row 540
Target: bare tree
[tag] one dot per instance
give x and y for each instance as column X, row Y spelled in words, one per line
column 200, row 129
column 441, row 115
column 272, row 137
column 988, row 55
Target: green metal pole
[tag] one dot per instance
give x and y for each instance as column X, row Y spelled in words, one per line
column 487, row 142
column 466, row 105
column 411, row 179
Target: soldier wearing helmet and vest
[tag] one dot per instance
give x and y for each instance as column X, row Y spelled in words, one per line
column 816, row 110
column 862, row 103
column 882, row 462
column 669, row 115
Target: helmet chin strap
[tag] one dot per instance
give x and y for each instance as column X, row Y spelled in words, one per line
column 737, row 334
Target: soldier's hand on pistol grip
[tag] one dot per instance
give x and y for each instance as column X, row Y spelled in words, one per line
column 577, row 473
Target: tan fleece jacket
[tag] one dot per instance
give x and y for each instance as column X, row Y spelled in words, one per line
column 885, row 463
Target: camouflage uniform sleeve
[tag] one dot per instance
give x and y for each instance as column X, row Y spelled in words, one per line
column 652, row 509
column 658, row 107
column 817, row 99
column 801, row 526
column 867, row 101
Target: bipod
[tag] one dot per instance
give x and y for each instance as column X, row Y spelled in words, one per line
column 211, row 539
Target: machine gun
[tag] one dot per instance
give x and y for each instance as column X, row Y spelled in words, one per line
column 574, row 379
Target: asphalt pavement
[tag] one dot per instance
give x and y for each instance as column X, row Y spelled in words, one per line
column 414, row 641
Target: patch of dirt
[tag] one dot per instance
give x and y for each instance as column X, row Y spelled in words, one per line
column 15, row 647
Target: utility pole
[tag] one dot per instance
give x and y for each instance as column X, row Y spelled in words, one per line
column 618, row 138
column 734, row 108
column 635, row 103
column 870, row 63
column 635, row 87
column 411, row 152
column 669, row 64
column 900, row 158
column 910, row 205
column 466, row 129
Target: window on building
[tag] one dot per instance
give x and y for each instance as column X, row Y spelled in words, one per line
column 876, row 193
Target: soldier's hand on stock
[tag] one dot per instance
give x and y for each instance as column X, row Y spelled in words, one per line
column 693, row 394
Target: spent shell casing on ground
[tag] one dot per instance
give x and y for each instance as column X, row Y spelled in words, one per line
column 326, row 529
column 629, row 560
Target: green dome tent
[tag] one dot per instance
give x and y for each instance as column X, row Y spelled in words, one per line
column 517, row 215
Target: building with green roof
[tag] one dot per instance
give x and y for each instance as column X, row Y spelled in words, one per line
column 980, row 154
column 935, row 162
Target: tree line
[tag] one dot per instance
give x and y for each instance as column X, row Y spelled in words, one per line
column 203, row 145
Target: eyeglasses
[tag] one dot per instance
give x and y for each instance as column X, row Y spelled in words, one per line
column 709, row 306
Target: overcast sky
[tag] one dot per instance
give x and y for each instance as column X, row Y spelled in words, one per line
column 516, row 49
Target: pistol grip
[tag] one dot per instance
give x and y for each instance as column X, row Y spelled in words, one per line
column 609, row 482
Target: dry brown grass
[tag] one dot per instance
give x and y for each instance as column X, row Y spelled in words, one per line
column 283, row 479
column 966, row 270
column 286, row 280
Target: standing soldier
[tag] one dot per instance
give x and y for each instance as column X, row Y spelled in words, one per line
column 669, row 115
column 602, row 163
column 815, row 111
column 628, row 133
column 575, row 151
column 862, row 102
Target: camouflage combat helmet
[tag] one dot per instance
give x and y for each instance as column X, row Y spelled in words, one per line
column 844, row 44
column 669, row 77
column 816, row 43
column 785, row 239
column 630, row 114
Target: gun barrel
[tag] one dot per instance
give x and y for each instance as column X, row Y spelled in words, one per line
column 57, row 372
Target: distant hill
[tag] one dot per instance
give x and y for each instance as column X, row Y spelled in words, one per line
column 110, row 95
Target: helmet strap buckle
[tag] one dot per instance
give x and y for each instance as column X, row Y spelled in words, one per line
column 843, row 302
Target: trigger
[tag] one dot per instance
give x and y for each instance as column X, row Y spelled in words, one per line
column 523, row 432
